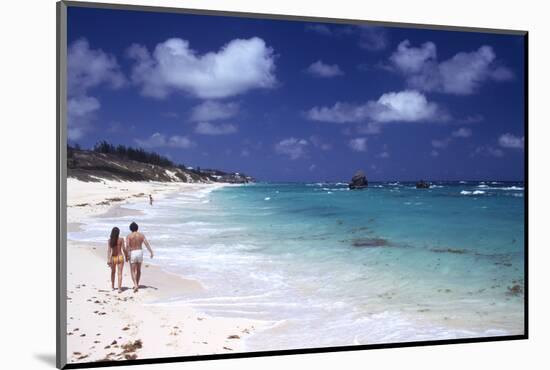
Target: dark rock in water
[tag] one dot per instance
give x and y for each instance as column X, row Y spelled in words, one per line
column 422, row 185
column 515, row 290
column 370, row 242
column 359, row 181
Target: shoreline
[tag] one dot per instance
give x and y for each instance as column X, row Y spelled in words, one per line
column 103, row 325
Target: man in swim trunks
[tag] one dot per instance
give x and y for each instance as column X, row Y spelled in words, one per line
column 134, row 242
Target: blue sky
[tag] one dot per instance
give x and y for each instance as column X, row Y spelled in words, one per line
column 298, row 101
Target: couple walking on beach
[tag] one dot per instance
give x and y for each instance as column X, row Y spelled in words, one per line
column 131, row 251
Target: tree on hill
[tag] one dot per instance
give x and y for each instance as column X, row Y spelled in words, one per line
column 139, row 154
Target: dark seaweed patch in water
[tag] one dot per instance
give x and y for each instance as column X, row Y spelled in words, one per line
column 449, row 250
column 370, row 242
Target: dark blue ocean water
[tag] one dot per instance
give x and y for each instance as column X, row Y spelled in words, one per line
column 325, row 266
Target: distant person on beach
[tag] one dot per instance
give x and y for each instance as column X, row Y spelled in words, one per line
column 115, row 256
column 134, row 242
column 150, row 199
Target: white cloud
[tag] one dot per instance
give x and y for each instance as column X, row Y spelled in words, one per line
column 462, row 74
column 82, row 106
column 441, row 143
column 339, row 113
column 312, row 167
column 292, row 147
column 239, row 66
column 87, row 69
column 511, row 141
column 207, row 128
column 320, row 69
column 403, row 106
column 158, row 140
column 358, row 144
column 462, row 132
column 245, row 153
column 80, row 112
column 373, row 38
column 409, row 59
column 212, row 110
column 434, row 153
column 385, row 154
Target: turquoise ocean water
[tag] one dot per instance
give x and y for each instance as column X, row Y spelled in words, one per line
column 325, row 266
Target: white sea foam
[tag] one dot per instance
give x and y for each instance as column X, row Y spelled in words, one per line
column 267, row 198
column 475, row 192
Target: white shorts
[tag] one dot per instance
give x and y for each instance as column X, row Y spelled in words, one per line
column 136, row 256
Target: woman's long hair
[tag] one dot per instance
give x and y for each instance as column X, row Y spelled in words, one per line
column 113, row 240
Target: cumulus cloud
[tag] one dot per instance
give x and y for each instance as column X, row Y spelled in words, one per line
column 320, row 69
column 510, row 141
column 212, row 110
column 207, row 128
column 358, row 144
column 292, row 147
column 403, row 106
column 462, row 132
column 409, row 59
column 462, row 74
column 239, row 66
column 158, row 140
column 87, row 69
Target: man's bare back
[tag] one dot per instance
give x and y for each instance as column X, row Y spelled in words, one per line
column 135, row 241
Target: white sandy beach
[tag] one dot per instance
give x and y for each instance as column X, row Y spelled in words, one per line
column 105, row 325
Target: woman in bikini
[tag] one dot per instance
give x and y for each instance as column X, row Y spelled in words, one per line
column 115, row 257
